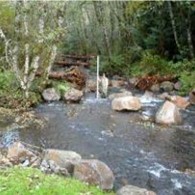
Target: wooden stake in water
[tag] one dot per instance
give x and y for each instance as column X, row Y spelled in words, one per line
column 97, row 82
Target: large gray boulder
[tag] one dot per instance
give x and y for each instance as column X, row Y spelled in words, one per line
column 94, row 172
column 167, row 86
column 168, row 114
column 62, row 158
column 50, row 94
column 126, row 103
column 134, row 190
column 73, row 95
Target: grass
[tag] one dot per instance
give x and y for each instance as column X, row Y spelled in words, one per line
column 29, row 181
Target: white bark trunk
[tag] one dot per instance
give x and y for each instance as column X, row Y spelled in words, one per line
column 173, row 25
column 51, row 61
column 2, row 35
column 34, row 66
column 41, row 29
column 14, row 63
column 26, row 65
column 190, row 43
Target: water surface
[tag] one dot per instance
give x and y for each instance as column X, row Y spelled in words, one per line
column 139, row 153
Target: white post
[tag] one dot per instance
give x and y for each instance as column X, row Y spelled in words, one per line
column 97, row 82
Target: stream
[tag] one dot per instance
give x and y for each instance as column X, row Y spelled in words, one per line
column 139, row 153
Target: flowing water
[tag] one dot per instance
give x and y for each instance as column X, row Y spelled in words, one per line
column 139, row 153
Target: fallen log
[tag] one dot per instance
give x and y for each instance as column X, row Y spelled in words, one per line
column 85, row 57
column 72, row 75
column 57, row 75
column 68, row 63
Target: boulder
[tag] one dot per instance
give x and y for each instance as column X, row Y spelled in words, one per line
column 192, row 97
column 117, row 95
column 126, row 103
column 168, row 114
column 18, row 153
column 36, row 162
column 73, row 95
column 179, row 101
column 177, row 85
column 94, row 172
column 49, row 166
column 133, row 81
column 134, row 190
column 166, row 86
column 91, row 85
column 64, row 159
column 50, row 94
column 155, row 88
column 164, row 96
column 4, row 162
column 117, row 83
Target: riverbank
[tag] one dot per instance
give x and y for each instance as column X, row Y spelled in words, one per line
column 34, row 182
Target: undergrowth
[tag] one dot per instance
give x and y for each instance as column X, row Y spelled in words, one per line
column 11, row 96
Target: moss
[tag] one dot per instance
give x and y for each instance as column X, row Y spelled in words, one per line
column 26, row 181
column 61, row 86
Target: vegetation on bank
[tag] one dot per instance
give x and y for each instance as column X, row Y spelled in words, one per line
column 26, row 181
column 136, row 38
column 133, row 39
column 11, row 95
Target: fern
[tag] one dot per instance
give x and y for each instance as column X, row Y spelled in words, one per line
column 188, row 82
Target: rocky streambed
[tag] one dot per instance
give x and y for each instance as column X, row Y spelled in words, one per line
column 139, row 152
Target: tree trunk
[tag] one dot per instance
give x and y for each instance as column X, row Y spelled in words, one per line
column 174, row 26
column 99, row 15
column 189, row 36
column 51, row 61
column 98, row 50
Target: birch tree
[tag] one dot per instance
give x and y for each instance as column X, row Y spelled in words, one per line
column 38, row 29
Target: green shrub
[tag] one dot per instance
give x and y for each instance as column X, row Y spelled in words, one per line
column 28, row 181
column 133, row 63
column 7, row 81
column 184, row 65
column 61, row 86
column 153, row 64
column 11, row 96
column 112, row 66
column 187, row 82
column 136, row 70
